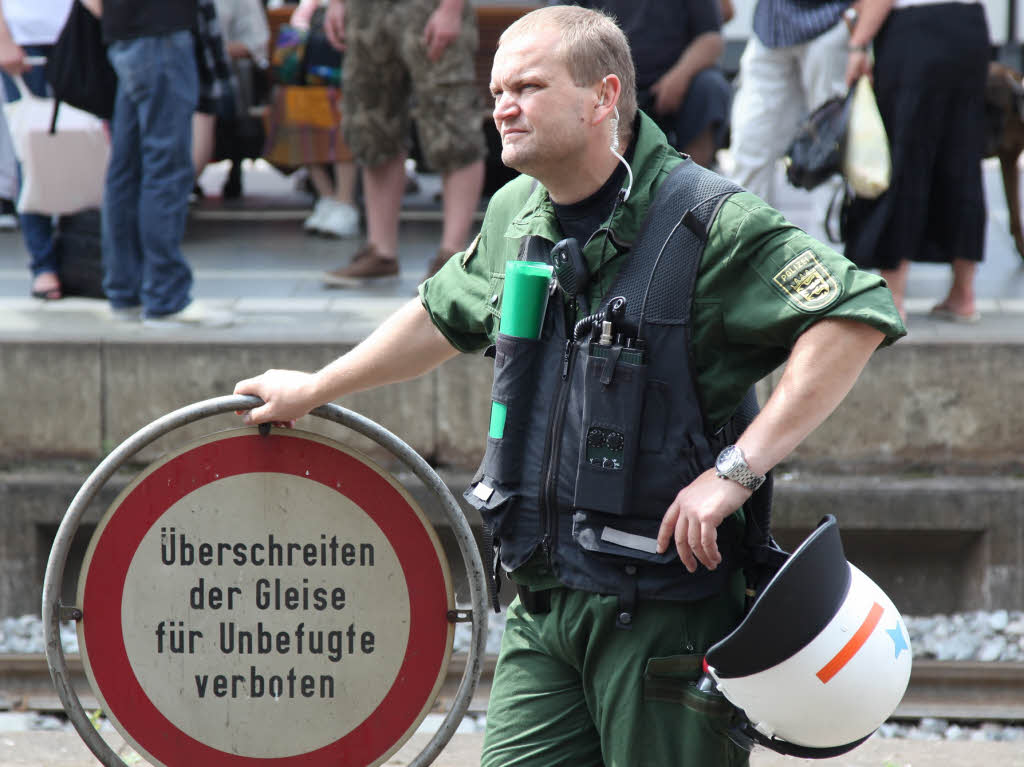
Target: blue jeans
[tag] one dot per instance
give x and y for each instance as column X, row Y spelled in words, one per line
column 145, row 202
column 36, row 229
column 706, row 104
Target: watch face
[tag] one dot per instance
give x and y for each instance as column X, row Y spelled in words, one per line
column 728, row 459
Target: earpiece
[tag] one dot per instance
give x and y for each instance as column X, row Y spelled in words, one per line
column 614, row 120
column 614, row 145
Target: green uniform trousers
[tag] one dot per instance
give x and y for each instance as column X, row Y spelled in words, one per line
column 572, row 689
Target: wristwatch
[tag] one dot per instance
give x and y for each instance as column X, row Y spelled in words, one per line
column 850, row 17
column 731, row 464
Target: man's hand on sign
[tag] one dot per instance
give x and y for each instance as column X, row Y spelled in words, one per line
column 286, row 394
column 693, row 518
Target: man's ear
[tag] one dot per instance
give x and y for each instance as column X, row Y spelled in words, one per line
column 611, row 87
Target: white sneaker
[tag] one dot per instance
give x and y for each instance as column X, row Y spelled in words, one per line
column 340, row 219
column 193, row 315
column 125, row 313
column 313, row 222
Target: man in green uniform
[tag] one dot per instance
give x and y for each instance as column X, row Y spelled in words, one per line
column 572, row 686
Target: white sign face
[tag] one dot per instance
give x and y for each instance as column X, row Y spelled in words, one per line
column 215, row 645
column 244, row 613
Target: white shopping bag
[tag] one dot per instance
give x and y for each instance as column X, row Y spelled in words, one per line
column 867, row 164
column 62, row 172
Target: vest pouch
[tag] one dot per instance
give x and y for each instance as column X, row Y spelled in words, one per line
column 620, row 538
column 613, row 398
column 513, row 389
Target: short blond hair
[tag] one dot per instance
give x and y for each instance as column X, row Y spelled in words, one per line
column 592, row 46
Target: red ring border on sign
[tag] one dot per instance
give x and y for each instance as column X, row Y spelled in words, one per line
column 118, row 539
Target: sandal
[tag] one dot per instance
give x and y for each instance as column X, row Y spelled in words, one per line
column 948, row 315
column 52, row 293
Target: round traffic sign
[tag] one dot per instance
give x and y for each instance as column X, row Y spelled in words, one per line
column 276, row 598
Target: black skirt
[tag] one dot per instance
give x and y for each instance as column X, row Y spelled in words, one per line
column 931, row 62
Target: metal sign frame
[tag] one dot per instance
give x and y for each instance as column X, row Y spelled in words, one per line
column 53, row 612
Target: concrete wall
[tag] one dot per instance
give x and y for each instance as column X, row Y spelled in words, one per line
column 79, row 400
column 952, row 405
column 921, row 462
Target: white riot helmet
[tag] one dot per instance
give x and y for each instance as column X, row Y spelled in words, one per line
column 821, row 659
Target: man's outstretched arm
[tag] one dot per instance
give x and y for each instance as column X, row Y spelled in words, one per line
column 406, row 345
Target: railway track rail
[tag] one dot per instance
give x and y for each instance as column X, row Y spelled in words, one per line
column 966, row 691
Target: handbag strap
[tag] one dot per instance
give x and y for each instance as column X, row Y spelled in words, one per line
column 26, row 94
column 23, row 90
column 53, row 119
column 833, row 210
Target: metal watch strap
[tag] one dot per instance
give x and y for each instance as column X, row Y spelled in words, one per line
column 740, row 471
column 745, row 477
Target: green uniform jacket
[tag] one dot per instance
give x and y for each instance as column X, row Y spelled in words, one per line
column 762, row 281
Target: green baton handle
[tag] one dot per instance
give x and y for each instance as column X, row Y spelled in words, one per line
column 522, row 314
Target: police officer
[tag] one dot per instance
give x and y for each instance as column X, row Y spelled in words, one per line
column 616, row 609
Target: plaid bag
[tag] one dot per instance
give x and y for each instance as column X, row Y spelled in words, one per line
column 287, row 54
column 303, row 126
column 304, row 56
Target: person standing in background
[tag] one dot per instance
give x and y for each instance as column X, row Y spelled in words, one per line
column 8, row 179
column 145, row 202
column 793, row 62
column 931, row 63
column 334, row 213
column 243, row 24
column 408, row 59
column 676, row 45
column 29, row 28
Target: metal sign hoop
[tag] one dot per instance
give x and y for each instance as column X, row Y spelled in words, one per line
column 53, row 612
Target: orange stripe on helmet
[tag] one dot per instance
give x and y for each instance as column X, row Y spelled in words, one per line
column 852, row 647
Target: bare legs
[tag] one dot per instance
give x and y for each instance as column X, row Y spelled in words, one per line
column 342, row 188
column 959, row 303
column 203, row 137
column 960, row 299
column 461, row 189
column 384, row 186
column 383, row 190
column 896, row 279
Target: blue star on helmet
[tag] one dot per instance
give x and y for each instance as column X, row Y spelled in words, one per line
column 898, row 641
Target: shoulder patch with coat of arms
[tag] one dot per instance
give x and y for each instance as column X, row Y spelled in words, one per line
column 468, row 254
column 807, row 283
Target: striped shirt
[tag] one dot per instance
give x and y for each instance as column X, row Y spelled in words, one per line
column 781, row 23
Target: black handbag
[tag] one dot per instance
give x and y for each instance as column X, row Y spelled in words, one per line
column 321, row 62
column 78, row 69
column 816, row 153
column 78, row 248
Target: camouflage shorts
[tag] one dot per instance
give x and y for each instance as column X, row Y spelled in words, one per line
column 389, row 80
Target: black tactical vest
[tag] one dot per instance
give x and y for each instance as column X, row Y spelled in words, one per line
column 601, row 434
